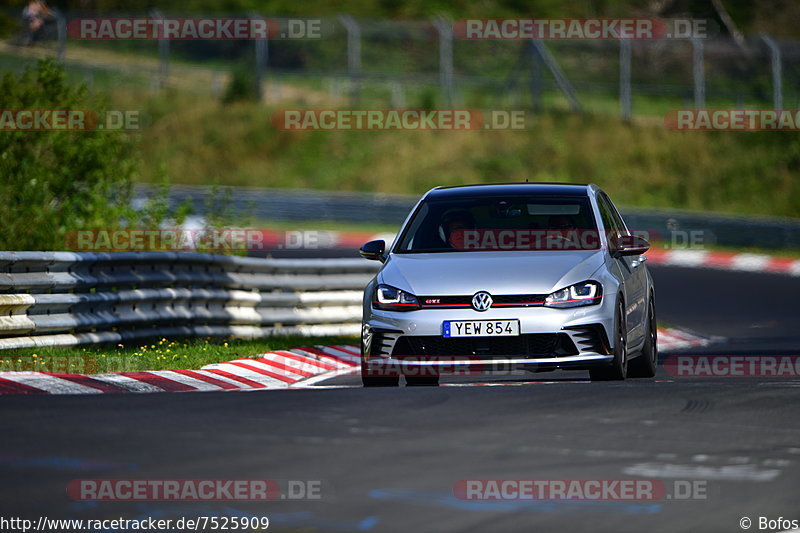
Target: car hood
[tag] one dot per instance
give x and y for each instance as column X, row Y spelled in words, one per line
column 465, row 273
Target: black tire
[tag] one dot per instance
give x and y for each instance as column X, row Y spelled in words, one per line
column 618, row 368
column 377, row 381
column 369, row 381
column 422, row 381
column 645, row 365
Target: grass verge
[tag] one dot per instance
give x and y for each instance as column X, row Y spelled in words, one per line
column 162, row 354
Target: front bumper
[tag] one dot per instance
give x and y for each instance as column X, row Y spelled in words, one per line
column 583, row 335
column 459, row 366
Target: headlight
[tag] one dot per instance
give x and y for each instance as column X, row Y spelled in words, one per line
column 390, row 298
column 584, row 293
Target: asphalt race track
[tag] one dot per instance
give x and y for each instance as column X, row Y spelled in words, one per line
column 388, row 459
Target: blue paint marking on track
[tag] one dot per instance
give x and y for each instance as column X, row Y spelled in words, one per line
column 297, row 519
column 64, row 464
column 368, row 523
column 431, row 498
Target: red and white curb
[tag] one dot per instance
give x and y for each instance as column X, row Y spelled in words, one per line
column 672, row 339
column 725, row 261
column 742, row 262
column 281, row 369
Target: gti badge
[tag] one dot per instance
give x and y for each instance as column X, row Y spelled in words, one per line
column 481, row 301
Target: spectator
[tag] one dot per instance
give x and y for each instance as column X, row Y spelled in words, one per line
column 34, row 16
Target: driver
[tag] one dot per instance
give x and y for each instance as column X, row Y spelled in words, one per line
column 454, row 224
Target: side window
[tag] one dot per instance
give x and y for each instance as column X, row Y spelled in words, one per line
column 617, row 218
column 611, row 221
column 408, row 239
column 607, row 216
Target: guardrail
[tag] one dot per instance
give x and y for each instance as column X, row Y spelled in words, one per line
column 65, row 298
column 307, row 205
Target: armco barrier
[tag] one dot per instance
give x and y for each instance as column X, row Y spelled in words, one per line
column 305, row 205
column 64, row 298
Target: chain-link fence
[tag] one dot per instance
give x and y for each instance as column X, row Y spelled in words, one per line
column 391, row 63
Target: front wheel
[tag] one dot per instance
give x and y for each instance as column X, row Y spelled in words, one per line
column 369, row 379
column 422, row 381
column 618, row 368
column 645, row 365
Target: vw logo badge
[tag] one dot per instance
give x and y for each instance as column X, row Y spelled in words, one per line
column 481, row 301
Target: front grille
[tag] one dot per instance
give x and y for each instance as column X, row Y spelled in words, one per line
column 500, row 300
column 530, row 345
column 445, row 301
column 518, row 300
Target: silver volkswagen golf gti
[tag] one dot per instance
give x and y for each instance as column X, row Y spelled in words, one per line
column 509, row 277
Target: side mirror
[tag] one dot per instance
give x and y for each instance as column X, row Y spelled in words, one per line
column 629, row 245
column 373, row 250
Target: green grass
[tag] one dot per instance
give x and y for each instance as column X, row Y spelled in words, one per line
column 195, row 139
column 163, row 354
column 200, row 141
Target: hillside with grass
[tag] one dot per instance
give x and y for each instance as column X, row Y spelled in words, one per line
column 201, row 141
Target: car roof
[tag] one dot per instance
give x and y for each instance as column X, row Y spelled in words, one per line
column 511, row 189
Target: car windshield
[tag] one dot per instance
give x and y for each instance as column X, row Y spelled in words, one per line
column 477, row 224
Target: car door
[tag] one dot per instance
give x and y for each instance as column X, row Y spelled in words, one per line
column 636, row 278
column 626, row 266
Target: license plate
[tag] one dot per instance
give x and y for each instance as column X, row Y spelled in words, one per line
column 480, row 328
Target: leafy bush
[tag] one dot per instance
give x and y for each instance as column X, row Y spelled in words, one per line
column 242, row 86
column 52, row 182
column 8, row 25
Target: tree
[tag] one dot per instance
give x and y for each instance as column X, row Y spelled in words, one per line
column 52, row 182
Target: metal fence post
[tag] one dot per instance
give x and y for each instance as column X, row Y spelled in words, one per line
column 163, row 51
column 625, row 79
column 558, row 74
column 445, row 30
column 699, row 74
column 398, row 95
column 777, row 81
column 353, row 55
column 261, row 59
column 61, row 26
column 536, row 78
